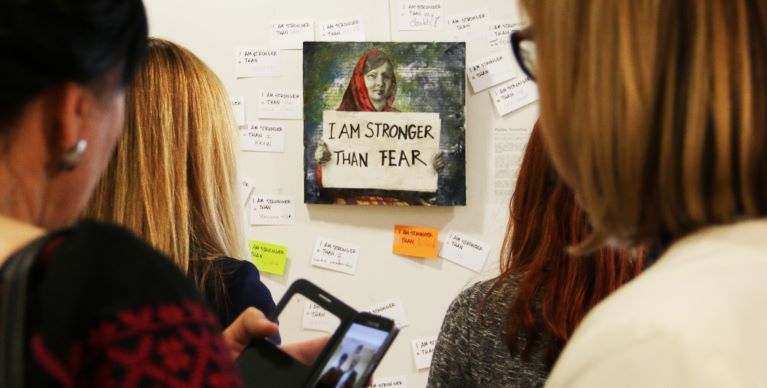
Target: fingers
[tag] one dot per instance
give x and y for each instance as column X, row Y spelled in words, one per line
column 251, row 324
column 306, row 352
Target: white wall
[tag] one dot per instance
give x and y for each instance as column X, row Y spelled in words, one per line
column 212, row 29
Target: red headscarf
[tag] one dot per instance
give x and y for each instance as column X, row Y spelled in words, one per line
column 356, row 98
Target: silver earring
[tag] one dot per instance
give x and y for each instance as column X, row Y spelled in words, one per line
column 74, row 155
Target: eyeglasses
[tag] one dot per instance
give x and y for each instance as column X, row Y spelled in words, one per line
column 523, row 45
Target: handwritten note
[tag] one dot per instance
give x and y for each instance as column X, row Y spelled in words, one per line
column 335, row 255
column 390, row 382
column 465, row 251
column 469, row 25
column 246, row 188
column 391, row 309
column 490, row 71
column 415, row 241
column 500, row 32
column 281, row 104
column 318, row 319
column 238, row 107
column 420, row 15
column 256, row 62
column 423, row 349
column 263, row 137
column 342, row 30
column 291, row 34
column 270, row 258
column 517, row 93
column 272, row 210
column 381, row 150
column 509, row 147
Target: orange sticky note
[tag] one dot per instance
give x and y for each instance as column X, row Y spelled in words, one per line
column 415, row 241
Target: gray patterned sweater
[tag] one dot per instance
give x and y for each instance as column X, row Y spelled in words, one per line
column 471, row 352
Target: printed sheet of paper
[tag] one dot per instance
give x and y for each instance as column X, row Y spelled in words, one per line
column 469, row 25
column 415, row 241
column 272, row 210
column 238, row 107
column 390, row 382
column 256, row 62
column 423, row 349
column 318, row 319
column 246, row 188
column 335, row 255
column 291, row 34
column 465, row 251
column 509, row 148
column 420, row 15
column 270, row 258
column 281, row 104
column 519, row 92
column 263, row 137
column 342, row 30
column 491, row 70
column 392, row 309
column 500, row 32
column 377, row 150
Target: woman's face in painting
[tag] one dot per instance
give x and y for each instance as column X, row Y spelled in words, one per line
column 378, row 82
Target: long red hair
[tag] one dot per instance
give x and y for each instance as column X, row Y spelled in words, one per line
column 554, row 290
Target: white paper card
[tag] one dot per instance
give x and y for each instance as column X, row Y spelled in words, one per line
column 391, row 309
column 238, row 107
column 491, row 71
column 246, row 188
column 291, row 34
column 509, row 148
column 318, row 319
column 342, row 30
column 381, row 150
column 256, row 62
column 469, row 25
column 519, row 92
column 272, row 210
column 465, row 251
column 263, row 137
column 281, row 104
column 500, row 32
column 420, row 15
column 390, row 382
column 335, row 255
column 423, row 349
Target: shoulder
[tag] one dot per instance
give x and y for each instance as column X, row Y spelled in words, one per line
column 244, row 286
column 485, row 297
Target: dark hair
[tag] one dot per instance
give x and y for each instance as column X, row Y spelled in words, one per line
column 48, row 41
column 375, row 60
column 554, row 290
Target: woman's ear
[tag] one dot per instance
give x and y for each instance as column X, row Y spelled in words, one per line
column 70, row 106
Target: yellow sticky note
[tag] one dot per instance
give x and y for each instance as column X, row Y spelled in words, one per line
column 415, row 241
column 267, row 257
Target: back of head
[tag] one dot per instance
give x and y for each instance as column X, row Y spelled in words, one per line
column 172, row 179
column 45, row 42
column 553, row 290
column 656, row 105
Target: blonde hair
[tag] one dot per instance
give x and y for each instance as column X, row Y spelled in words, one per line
column 654, row 111
column 172, row 179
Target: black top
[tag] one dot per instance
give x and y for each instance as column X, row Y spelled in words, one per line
column 244, row 289
column 104, row 308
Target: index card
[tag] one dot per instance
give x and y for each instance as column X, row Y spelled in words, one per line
column 420, row 15
column 335, row 255
column 256, row 62
column 291, row 34
column 272, row 210
column 465, row 251
column 342, row 30
column 490, row 71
